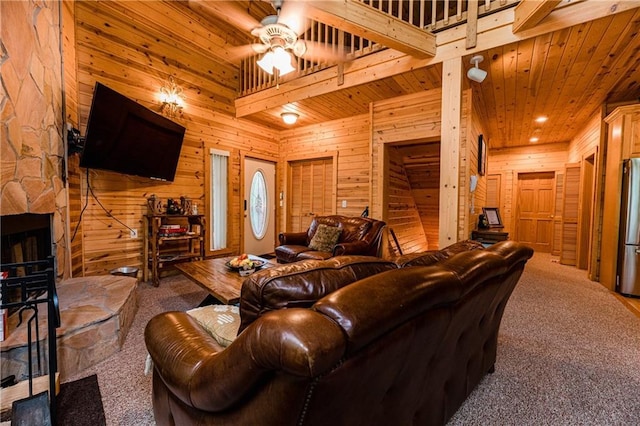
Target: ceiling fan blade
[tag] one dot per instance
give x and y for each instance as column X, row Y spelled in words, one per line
column 229, row 11
column 322, row 52
column 239, row 52
column 293, row 15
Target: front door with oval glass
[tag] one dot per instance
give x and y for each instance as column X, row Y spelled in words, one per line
column 259, row 206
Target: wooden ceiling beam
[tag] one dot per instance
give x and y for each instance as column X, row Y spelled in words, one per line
column 530, row 13
column 493, row 31
column 363, row 20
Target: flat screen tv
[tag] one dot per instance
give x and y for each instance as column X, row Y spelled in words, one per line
column 125, row 137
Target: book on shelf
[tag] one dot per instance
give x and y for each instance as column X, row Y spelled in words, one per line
column 171, row 226
column 172, row 232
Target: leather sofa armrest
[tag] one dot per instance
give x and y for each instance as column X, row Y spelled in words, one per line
column 193, row 365
column 355, row 247
column 293, row 238
column 208, row 377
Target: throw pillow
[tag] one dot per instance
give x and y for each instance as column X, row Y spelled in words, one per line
column 220, row 321
column 325, row 238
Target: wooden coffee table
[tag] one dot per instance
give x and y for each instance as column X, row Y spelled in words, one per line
column 213, row 276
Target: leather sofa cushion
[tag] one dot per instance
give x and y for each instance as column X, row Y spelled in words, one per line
column 431, row 257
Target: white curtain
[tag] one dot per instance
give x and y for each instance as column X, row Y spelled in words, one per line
column 219, row 183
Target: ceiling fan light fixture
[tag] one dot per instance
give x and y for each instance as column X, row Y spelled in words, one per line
column 476, row 74
column 282, row 60
column 289, row 117
column 276, row 57
column 266, row 63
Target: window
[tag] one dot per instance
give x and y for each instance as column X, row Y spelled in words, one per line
column 219, row 201
column 258, row 205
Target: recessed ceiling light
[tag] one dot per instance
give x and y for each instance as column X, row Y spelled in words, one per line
column 533, row 139
column 541, row 119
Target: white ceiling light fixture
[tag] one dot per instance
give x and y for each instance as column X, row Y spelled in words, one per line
column 289, row 117
column 476, row 74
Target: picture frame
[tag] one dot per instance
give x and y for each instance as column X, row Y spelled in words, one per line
column 482, row 155
column 492, row 214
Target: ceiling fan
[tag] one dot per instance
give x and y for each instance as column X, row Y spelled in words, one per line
column 277, row 39
column 281, row 36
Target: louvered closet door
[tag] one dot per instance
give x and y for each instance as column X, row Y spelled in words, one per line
column 570, row 214
column 310, row 192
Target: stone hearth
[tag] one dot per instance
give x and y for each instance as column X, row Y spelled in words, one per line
column 96, row 314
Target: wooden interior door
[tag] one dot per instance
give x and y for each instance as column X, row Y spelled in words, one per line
column 310, row 192
column 535, row 211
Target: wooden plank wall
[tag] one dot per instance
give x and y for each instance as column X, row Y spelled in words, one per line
column 587, row 140
column 509, row 162
column 349, row 137
column 402, row 119
column 124, row 45
column 402, row 213
column 476, row 128
column 424, row 178
column 417, row 117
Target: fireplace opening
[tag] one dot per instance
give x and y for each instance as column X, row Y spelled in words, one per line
column 24, row 238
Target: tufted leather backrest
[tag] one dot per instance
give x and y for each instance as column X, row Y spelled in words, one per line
column 302, row 283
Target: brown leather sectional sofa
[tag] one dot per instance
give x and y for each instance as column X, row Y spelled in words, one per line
column 400, row 346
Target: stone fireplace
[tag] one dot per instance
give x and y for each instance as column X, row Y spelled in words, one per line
column 32, row 180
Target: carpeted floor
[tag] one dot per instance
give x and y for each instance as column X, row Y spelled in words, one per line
column 569, row 353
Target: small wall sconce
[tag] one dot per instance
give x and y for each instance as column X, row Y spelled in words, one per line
column 476, row 74
column 172, row 98
column 289, row 117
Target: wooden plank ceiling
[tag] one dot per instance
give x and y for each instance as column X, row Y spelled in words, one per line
column 564, row 75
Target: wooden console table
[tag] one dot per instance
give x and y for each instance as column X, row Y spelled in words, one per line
column 489, row 236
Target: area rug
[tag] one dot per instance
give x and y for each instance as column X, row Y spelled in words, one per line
column 80, row 403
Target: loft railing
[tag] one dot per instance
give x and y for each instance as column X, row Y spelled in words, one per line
column 436, row 15
column 331, row 41
column 432, row 15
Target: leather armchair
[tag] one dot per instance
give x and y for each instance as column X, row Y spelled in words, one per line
column 359, row 236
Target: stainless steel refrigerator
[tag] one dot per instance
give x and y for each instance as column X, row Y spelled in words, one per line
column 628, row 277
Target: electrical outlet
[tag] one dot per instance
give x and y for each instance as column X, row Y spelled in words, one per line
column 344, row 204
column 134, row 233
